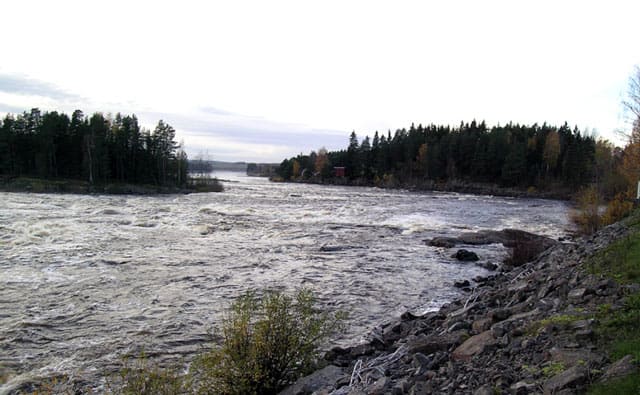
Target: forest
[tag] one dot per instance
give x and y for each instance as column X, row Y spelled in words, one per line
column 98, row 149
column 528, row 156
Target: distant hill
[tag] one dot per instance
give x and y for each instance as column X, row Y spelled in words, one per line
column 207, row 166
column 229, row 166
column 251, row 169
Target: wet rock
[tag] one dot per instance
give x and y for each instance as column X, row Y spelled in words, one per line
column 324, row 378
column 488, row 265
column 445, row 242
column 461, row 283
column 329, row 248
column 465, row 256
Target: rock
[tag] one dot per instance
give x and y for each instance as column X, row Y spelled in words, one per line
column 379, row 386
column 465, row 256
column 362, row 349
column 488, row 265
column 419, row 388
column 481, row 324
column 484, row 390
column 445, row 242
column 522, row 388
column 622, row 367
column 570, row 378
column 461, row 284
column 430, row 344
column 577, row 294
column 401, row 387
column 581, row 324
column 570, row 357
column 323, row 378
column 473, row 346
column 500, row 315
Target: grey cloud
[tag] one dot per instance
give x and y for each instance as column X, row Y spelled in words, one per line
column 8, row 108
column 253, row 130
column 22, row 85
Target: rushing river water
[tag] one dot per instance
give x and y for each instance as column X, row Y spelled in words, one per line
column 85, row 280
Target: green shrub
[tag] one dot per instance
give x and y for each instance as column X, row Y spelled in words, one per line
column 141, row 377
column 552, row 369
column 267, row 343
column 626, row 385
column 205, row 183
column 618, row 208
column 586, row 216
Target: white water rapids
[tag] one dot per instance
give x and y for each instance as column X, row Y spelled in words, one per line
column 86, row 279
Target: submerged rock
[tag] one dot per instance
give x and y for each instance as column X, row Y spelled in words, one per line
column 465, row 256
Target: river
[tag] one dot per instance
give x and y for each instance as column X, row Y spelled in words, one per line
column 86, row 279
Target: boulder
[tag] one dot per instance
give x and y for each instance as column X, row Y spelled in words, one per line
column 622, row 367
column 465, row 256
column 522, row 388
column 321, row 379
column 473, row 346
column 461, row 283
column 429, row 344
column 576, row 295
column 570, row 357
column 506, row 237
column 445, row 242
column 570, row 378
column 484, row 390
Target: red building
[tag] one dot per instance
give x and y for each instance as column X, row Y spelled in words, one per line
column 339, row 171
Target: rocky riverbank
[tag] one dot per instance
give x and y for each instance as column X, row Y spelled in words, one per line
column 527, row 329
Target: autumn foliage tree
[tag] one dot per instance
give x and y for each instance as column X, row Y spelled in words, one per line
column 542, row 156
column 630, row 167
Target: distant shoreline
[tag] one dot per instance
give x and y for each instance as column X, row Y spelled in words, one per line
column 81, row 187
column 457, row 186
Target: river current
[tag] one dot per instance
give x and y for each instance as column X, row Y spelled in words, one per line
column 87, row 279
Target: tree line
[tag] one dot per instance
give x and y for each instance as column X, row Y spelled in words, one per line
column 513, row 155
column 98, row 148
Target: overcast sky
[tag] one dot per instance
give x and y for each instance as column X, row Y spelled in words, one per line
column 264, row 80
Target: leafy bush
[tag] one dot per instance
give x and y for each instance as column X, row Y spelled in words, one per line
column 205, row 183
column 267, row 343
column 586, row 216
column 141, row 377
column 626, row 385
column 618, row 208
